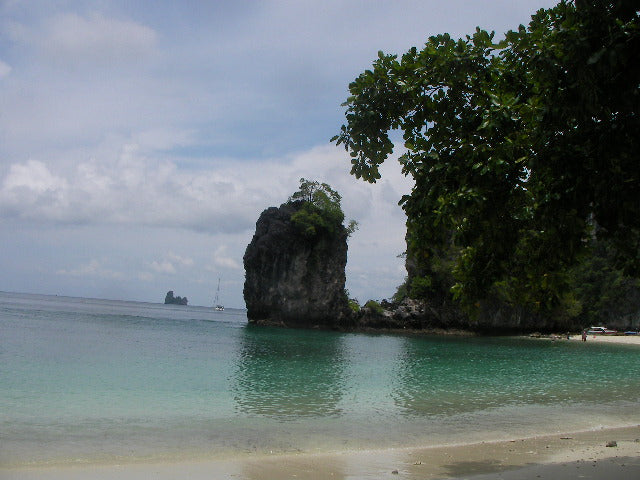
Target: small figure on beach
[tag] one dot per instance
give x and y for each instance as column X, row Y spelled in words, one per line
column 584, row 335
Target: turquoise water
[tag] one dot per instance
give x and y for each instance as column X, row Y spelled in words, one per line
column 109, row 381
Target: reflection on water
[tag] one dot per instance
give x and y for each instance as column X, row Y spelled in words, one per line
column 454, row 376
column 288, row 374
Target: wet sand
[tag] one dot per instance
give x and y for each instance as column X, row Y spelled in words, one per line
column 567, row 456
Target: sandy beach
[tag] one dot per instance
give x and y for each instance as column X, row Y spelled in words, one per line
column 617, row 339
column 604, row 339
column 567, row 456
column 621, row 339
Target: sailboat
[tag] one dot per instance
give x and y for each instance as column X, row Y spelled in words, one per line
column 216, row 302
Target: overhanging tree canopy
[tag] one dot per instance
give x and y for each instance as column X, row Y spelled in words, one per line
column 521, row 150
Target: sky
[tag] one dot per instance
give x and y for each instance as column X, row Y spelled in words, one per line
column 140, row 141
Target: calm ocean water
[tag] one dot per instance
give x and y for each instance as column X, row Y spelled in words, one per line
column 85, row 380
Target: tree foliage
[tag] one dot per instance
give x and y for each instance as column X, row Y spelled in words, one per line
column 321, row 210
column 521, row 150
column 374, row 306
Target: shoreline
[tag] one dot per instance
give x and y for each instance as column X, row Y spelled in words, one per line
column 565, row 453
column 617, row 339
column 452, row 333
column 601, row 339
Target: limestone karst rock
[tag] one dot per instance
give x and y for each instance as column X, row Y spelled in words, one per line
column 295, row 280
column 169, row 299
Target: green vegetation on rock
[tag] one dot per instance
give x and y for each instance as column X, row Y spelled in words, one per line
column 374, row 306
column 320, row 211
column 354, row 305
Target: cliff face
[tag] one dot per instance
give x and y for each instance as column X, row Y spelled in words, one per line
column 293, row 280
column 437, row 309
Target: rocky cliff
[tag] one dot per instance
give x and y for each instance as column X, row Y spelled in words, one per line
column 295, row 280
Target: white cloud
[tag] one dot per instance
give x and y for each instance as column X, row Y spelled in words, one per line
column 135, row 189
column 78, row 78
column 222, row 260
column 33, row 176
column 180, row 260
column 145, row 276
column 163, row 266
column 31, row 187
column 94, row 39
column 94, row 268
column 171, row 264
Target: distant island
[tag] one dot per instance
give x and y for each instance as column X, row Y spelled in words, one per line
column 169, row 299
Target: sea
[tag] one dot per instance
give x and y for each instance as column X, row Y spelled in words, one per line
column 89, row 381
